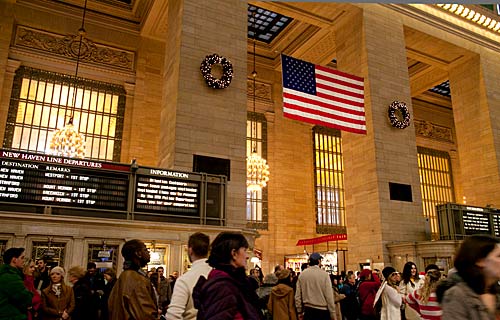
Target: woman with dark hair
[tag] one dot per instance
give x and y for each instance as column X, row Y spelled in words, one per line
column 410, row 283
column 227, row 294
column 424, row 300
column 476, row 296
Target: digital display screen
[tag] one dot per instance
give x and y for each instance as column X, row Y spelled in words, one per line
column 49, row 180
column 476, row 222
column 164, row 191
column 496, row 224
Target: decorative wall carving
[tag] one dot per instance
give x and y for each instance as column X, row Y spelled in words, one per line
column 430, row 130
column 67, row 46
column 262, row 90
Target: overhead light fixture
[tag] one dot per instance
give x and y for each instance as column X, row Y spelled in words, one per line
column 257, row 168
column 67, row 141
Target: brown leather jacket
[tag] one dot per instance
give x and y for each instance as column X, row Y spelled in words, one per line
column 53, row 306
column 132, row 298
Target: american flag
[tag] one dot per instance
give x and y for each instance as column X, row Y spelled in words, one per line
column 322, row 96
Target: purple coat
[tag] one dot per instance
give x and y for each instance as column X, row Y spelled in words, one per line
column 225, row 297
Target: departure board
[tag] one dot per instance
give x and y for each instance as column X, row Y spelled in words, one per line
column 496, row 224
column 476, row 222
column 165, row 191
column 49, row 180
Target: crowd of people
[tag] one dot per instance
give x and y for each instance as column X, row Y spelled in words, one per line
column 217, row 287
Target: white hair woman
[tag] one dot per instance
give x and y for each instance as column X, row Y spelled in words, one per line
column 58, row 300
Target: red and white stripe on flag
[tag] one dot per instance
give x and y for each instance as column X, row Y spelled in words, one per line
column 323, row 96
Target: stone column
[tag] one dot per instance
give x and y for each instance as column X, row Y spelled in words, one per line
column 8, row 79
column 129, row 122
column 371, row 44
column 475, row 90
column 197, row 119
column 79, row 247
column 6, row 27
column 142, row 118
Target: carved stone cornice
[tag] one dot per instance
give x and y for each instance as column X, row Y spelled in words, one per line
column 262, row 90
column 433, row 131
column 67, row 47
column 416, row 11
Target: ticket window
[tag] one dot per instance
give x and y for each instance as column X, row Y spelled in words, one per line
column 104, row 256
column 3, row 247
column 158, row 257
column 54, row 252
column 295, row 263
column 330, row 262
column 186, row 264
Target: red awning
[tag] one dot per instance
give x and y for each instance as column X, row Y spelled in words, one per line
column 330, row 237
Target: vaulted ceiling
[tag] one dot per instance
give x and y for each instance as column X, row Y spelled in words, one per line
column 308, row 35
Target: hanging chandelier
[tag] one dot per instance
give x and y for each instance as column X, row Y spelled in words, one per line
column 67, row 141
column 257, row 172
column 257, row 168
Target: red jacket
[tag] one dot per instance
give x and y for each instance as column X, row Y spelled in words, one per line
column 367, row 291
column 29, row 283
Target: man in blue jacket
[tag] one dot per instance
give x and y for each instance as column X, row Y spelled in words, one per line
column 15, row 299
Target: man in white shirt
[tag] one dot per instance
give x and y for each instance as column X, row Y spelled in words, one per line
column 314, row 293
column 181, row 305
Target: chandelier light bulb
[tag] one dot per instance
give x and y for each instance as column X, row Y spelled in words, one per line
column 257, row 172
column 68, row 142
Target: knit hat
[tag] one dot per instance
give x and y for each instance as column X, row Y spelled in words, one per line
column 270, row 279
column 365, row 273
column 283, row 274
column 388, row 271
column 59, row 270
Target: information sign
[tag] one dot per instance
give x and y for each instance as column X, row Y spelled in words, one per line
column 165, row 191
column 476, row 222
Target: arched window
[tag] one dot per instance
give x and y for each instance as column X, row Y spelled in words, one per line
column 41, row 102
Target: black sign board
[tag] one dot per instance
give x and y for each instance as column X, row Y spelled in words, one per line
column 50, row 180
column 496, row 224
column 457, row 221
column 165, row 191
column 476, row 222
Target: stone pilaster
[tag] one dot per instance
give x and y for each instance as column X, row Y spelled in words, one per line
column 6, row 23
column 197, row 119
column 476, row 96
column 142, row 117
column 8, row 79
column 371, row 44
